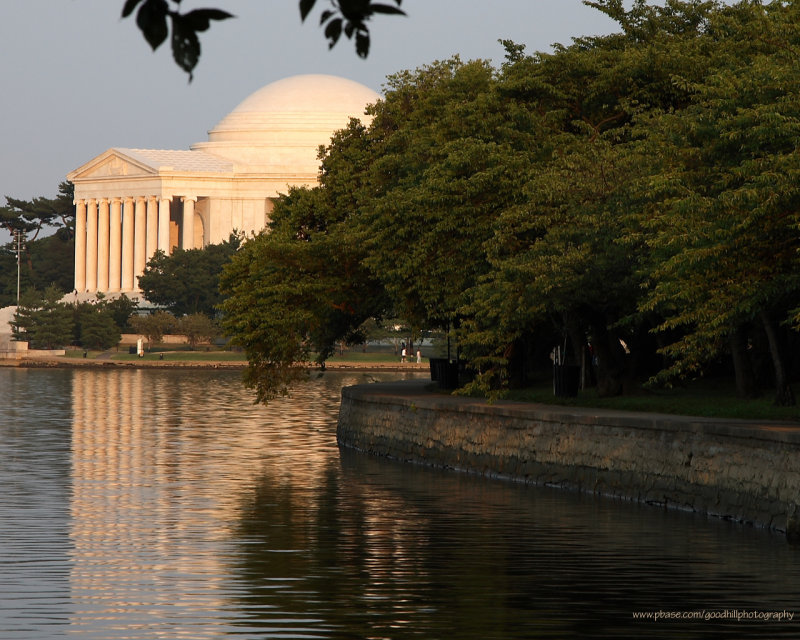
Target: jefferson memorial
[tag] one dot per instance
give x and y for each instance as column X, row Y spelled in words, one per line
column 132, row 202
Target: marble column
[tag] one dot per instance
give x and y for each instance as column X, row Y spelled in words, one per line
column 127, row 244
column 187, row 224
column 163, row 225
column 139, row 240
column 80, row 245
column 91, row 245
column 102, row 246
column 114, row 245
column 152, row 226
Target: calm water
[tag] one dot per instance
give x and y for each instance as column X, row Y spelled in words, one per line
column 153, row 504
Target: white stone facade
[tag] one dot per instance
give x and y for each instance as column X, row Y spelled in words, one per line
column 132, row 202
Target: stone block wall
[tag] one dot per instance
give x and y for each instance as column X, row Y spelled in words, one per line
column 10, row 349
column 742, row 470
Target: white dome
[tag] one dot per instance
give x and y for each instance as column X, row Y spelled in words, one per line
column 313, row 93
column 278, row 128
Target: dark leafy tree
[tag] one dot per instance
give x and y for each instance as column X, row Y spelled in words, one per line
column 450, row 153
column 52, row 260
column 197, row 327
column 188, row 280
column 725, row 232
column 628, row 192
column 297, row 290
column 43, row 320
column 122, row 308
column 44, row 260
column 153, row 326
column 32, row 216
column 95, row 326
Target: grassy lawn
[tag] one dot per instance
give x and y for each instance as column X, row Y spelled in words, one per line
column 78, row 353
column 183, row 353
column 183, row 356
column 370, row 356
column 710, row 398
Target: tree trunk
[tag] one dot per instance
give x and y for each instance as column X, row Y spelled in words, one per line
column 743, row 371
column 578, row 340
column 783, row 392
column 610, row 362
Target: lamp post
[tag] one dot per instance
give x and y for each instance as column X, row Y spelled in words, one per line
column 18, row 238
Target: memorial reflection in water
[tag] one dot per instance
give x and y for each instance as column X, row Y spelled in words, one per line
column 161, row 466
column 167, row 468
column 164, row 504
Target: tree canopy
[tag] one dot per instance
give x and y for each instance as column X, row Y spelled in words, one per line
column 153, row 326
column 46, row 258
column 633, row 196
column 43, row 320
column 32, row 216
column 187, row 281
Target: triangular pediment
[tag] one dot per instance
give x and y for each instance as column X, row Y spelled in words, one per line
column 112, row 164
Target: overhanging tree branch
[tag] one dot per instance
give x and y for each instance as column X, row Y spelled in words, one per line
column 155, row 19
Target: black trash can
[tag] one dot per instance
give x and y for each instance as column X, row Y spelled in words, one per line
column 132, row 350
column 436, row 365
column 444, row 373
column 566, row 380
column 448, row 375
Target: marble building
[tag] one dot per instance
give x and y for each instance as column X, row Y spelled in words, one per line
column 132, row 202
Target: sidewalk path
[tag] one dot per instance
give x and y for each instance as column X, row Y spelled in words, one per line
column 424, row 392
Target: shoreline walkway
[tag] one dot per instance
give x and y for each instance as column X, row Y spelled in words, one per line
column 105, row 361
column 424, row 391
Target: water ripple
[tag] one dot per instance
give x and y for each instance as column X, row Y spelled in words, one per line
column 152, row 504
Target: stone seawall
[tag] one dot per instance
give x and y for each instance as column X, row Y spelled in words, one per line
column 742, row 470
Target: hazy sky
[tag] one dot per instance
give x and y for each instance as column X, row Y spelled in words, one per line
column 76, row 79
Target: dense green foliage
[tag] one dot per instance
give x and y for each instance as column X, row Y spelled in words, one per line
column 121, row 308
column 42, row 320
column 633, row 197
column 44, row 260
column 153, row 326
column 187, row 281
column 31, row 216
column 298, row 289
column 95, row 327
column 197, row 327
column 45, row 322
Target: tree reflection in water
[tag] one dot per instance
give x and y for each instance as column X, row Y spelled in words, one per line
column 165, row 504
column 393, row 551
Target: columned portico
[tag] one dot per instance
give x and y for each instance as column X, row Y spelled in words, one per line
column 80, row 245
column 102, row 245
column 139, row 238
column 131, row 203
column 163, row 225
column 152, row 226
column 115, row 246
column 187, row 236
column 127, row 244
column 91, row 245
column 115, row 236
